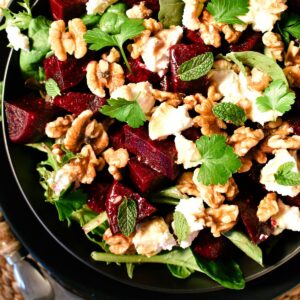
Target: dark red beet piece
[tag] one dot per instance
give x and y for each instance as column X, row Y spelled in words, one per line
column 116, row 138
column 97, row 193
column 115, row 196
column 194, row 37
column 295, row 124
column 152, row 4
column 143, row 177
column 247, row 42
column 67, row 73
column 292, row 201
column 192, row 133
column 27, row 119
column 67, row 9
column 76, row 103
column 257, row 231
column 141, row 73
column 209, row 247
column 158, row 155
column 179, row 54
column 165, row 83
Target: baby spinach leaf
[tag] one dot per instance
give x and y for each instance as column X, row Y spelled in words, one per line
column 170, row 12
column 242, row 241
column 180, row 272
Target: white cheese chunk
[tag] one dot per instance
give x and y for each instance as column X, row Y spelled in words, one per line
column 153, row 236
column 141, row 91
column 168, row 120
column 263, row 14
column 270, row 169
column 187, row 152
column 191, row 13
column 17, row 39
column 156, row 54
column 288, row 217
column 98, row 6
column 193, row 210
column 138, row 11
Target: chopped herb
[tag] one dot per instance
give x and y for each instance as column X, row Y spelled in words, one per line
column 127, row 215
column 181, row 226
column 285, row 175
column 52, row 88
column 289, row 26
column 230, row 112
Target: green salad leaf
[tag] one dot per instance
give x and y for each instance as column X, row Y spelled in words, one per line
column 218, row 160
column 225, row 11
column 180, row 272
column 196, row 67
column 130, row 269
column 171, row 12
column 289, row 26
column 285, row 175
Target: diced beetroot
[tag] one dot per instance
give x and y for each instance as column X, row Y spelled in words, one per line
column 27, row 119
column 143, row 177
column 67, row 9
column 152, row 4
column 179, row 54
column 292, row 201
column 195, row 37
column 67, row 73
column 116, row 137
column 76, row 103
column 141, row 73
column 192, row 133
column 295, row 124
column 257, row 231
column 97, row 193
column 209, row 247
column 165, row 83
column 115, row 196
column 158, row 155
column 248, row 41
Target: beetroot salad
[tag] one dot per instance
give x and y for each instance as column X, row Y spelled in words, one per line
column 170, row 129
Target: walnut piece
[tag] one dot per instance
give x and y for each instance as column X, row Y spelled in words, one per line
column 116, row 159
column 267, row 207
column 71, row 42
column 258, row 80
column 174, row 99
column 58, row 128
column 292, row 56
column 139, row 11
column 288, row 142
column 118, row 244
column 105, row 74
column 274, row 46
column 245, row 138
column 215, row 195
column 221, row 219
column 293, row 75
column 246, row 164
column 112, row 56
column 186, row 185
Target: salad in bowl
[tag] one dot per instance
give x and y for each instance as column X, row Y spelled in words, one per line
column 169, row 129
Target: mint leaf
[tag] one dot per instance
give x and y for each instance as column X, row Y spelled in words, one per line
column 128, row 30
column 285, row 175
column 230, row 112
column 170, row 12
column 196, row 67
column 127, row 215
column 225, row 11
column 219, row 161
column 125, row 111
column 289, row 25
column 276, row 98
column 52, row 88
column 181, row 226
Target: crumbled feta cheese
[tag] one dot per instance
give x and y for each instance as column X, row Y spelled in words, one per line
column 153, row 236
column 288, row 217
column 17, row 39
column 267, row 174
column 156, row 50
column 263, row 14
column 98, row 6
column 187, row 152
column 193, row 210
column 191, row 13
column 141, row 91
column 168, row 120
column 138, row 11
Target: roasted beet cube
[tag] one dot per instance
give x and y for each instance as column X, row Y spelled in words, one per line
column 165, row 83
column 209, row 247
column 116, row 137
column 294, row 122
column 115, row 196
column 143, row 177
column 152, row 4
column 140, row 73
column 97, row 193
column 67, row 9
column 257, row 231
column 76, row 103
column 67, row 73
column 179, row 54
column 195, row 38
column 192, row 133
column 158, row 155
column 248, row 41
column 27, row 118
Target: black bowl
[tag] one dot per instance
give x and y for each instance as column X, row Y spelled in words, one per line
column 23, row 162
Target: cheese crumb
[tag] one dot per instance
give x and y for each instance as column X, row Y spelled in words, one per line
column 98, row 6
column 191, row 13
column 17, row 39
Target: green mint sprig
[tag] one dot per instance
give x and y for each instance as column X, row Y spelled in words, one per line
column 52, row 88
column 127, row 215
column 285, row 175
column 181, row 226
